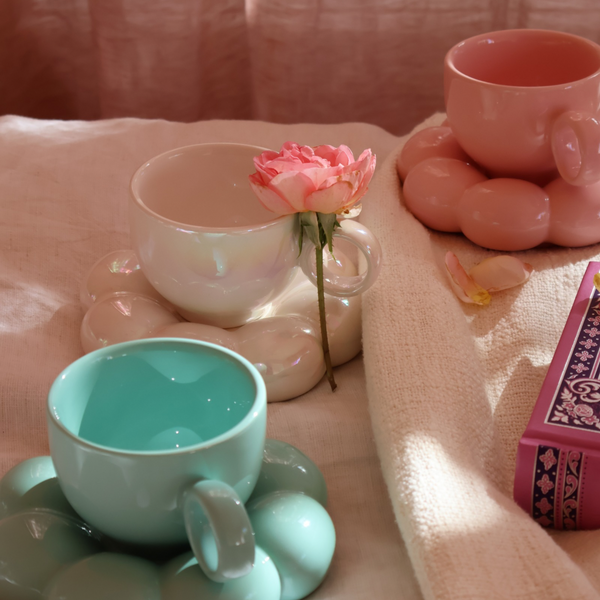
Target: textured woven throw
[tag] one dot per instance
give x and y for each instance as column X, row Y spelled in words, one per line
column 451, row 387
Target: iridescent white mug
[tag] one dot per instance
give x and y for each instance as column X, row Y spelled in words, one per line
column 207, row 245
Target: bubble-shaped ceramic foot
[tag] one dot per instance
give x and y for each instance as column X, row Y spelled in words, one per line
column 432, row 142
column 298, row 535
column 284, row 340
column 446, row 191
column 183, row 579
column 32, row 484
column 106, row 575
column 37, row 544
column 48, row 553
column 286, row 468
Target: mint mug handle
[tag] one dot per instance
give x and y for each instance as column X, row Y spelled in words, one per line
column 343, row 286
column 219, row 530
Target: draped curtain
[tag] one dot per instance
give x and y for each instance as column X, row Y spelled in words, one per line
column 321, row 61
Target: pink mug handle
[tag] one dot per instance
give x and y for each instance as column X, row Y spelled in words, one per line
column 576, row 147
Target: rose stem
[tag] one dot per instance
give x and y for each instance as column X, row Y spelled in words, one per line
column 322, row 316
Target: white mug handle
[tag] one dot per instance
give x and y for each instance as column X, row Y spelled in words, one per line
column 339, row 285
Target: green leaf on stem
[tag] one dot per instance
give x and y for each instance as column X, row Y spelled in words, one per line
column 329, row 224
column 300, row 234
column 310, row 223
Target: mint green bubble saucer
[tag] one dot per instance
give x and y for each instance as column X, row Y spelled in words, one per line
column 47, row 552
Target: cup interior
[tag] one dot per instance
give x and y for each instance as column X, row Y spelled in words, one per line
column 154, row 395
column 526, row 58
column 205, row 185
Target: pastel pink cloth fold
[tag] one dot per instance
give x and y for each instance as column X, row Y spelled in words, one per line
column 328, row 61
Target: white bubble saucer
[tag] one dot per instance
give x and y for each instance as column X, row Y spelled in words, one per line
column 283, row 340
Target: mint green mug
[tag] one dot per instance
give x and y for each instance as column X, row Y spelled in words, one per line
column 159, row 441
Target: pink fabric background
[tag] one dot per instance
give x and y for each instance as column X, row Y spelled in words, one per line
column 320, row 61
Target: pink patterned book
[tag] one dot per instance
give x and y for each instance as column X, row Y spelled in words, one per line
column 557, row 478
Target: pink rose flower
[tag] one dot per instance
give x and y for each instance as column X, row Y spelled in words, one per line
column 322, row 179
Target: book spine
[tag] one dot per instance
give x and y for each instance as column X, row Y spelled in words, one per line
column 558, row 485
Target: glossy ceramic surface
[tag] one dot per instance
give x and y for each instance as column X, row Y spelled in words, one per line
column 298, row 534
column 504, row 214
column 47, row 553
column 340, row 285
column 434, row 142
column 207, row 245
column 121, row 317
column 434, row 188
column 283, row 342
column 523, row 103
column 118, row 271
column 106, row 575
column 36, row 544
column 184, row 580
column 575, row 213
column 135, row 427
column 284, row 467
column 31, row 484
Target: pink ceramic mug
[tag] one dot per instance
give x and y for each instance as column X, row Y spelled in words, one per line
column 524, row 103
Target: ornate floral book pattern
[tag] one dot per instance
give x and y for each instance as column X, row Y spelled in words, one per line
column 557, row 487
column 557, row 477
column 576, row 401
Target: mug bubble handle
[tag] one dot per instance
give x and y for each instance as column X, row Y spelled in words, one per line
column 219, row 530
column 576, row 147
column 339, row 285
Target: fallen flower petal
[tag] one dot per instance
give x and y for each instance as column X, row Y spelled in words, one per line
column 463, row 284
column 501, row 273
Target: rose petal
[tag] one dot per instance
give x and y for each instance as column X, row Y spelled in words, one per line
column 368, row 168
column 270, row 199
column 341, row 156
column 307, row 152
column 265, row 157
column 295, row 187
column 501, row 273
column 289, row 146
column 292, row 156
column 462, row 284
column 352, row 179
column 320, row 174
column 331, row 199
column 284, row 164
column 327, row 152
column 264, row 173
column 305, row 167
column 362, row 163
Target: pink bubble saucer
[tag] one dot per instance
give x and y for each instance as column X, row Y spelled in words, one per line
column 447, row 191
